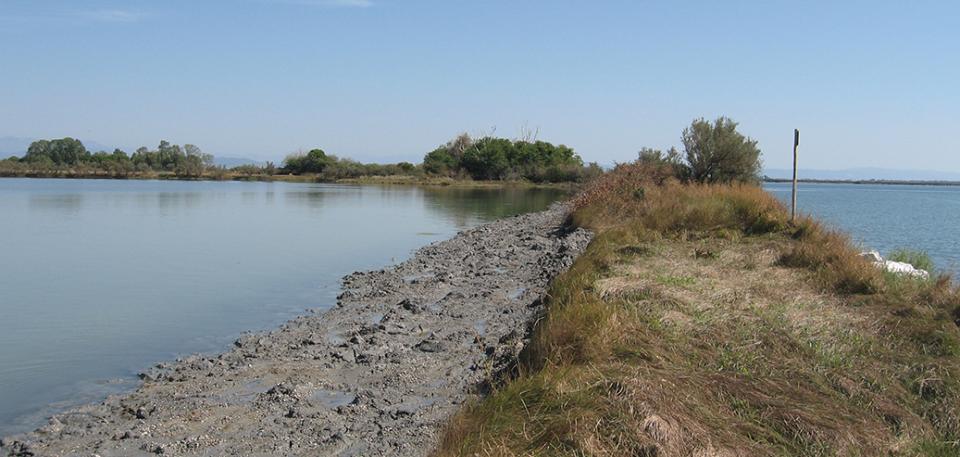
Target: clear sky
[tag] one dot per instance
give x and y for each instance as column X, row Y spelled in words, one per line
column 868, row 83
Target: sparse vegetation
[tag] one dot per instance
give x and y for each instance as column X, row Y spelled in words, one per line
column 780, row 340
column 918, row 259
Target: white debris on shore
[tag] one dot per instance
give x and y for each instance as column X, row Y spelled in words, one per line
column 900, row 268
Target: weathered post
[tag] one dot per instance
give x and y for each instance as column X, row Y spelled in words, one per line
column 793, row 195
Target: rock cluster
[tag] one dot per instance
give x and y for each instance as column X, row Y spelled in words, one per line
column 900, row 268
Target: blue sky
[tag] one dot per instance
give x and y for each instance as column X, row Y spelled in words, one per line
column 867, row 83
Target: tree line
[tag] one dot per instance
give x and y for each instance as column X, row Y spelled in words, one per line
column 69, row 154
column 486, row 158
column 713, row 152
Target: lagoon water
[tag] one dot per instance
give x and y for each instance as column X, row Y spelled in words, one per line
column 886, row 217
column 99, row 279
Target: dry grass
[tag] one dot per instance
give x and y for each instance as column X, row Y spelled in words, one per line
column 701, row 323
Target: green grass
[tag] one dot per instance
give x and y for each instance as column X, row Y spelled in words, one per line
column 918, row 259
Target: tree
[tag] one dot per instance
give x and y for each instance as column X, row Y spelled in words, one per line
column 191, row 150
column 314, row 161
column 500, row 158
column 170, row 155
column 488, row 158
column 65, row 151
column 441, row 161
column 717, row 153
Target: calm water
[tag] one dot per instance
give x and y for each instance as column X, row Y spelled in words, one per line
column 99, row 279
column 887, row 217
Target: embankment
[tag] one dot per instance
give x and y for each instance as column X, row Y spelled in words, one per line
column 702, row 321
column 379, row 374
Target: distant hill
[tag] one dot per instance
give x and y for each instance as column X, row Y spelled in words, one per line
column 13, row 146
column 865, row 173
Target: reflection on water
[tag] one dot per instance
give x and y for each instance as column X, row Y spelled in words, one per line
column 468, row 206
column 99, row 279
column 56, row 202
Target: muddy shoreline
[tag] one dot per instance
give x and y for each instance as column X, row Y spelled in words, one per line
column 378, row 374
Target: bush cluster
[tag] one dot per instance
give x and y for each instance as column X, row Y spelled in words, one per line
column 328, row 166
column 70, row 155
column 491, row 158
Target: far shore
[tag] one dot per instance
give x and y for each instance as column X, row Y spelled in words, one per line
column 309, row 178
column 903, row 182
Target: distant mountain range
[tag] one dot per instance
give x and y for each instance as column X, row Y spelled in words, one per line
column 866, row 173
column 13, row 146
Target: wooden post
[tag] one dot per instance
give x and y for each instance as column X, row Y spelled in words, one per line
column 793, row 196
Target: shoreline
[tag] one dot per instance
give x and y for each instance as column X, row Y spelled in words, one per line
column 315, row 179
column 377, row 374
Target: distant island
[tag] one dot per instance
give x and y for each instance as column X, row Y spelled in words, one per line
column 463, row 159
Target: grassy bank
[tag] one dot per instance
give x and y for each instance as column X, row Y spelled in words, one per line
column 701, row 322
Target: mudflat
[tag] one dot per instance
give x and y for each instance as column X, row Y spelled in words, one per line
column 378, row 374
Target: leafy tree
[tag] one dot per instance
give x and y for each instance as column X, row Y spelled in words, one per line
column 65, row 151
column 717, row 153
column 170, row 155
column 500, row 158
column 119, row 156
column 314, row 161
column 489, row 158
column 146, row 159
column 192, row 150
column 441, row 161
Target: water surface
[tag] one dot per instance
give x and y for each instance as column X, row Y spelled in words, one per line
column 99, row 279
column 886, row 217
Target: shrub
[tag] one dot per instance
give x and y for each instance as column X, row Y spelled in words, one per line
column 65, row 151
column 499, row 158
column 670, row 162
column 312, row 162
column 717, row 153
column 440, row 162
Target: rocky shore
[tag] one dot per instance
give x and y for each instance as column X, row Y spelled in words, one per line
column 376, row 375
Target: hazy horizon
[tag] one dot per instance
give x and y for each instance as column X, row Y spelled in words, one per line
column 383, row 80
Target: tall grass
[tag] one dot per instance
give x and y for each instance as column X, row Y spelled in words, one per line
column 918, row 259
column 612, row 373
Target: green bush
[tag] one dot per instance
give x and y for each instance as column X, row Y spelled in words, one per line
column 65, row 151
column 314, row 161
column 493, row 158
column 717, row 153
